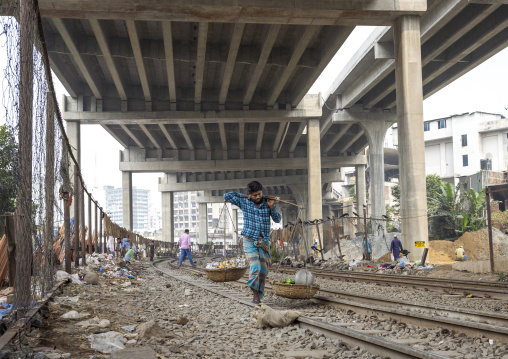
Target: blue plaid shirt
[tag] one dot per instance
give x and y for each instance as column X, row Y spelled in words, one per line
column 256, row 221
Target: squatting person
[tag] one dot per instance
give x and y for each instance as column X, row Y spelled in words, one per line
column 257, row 211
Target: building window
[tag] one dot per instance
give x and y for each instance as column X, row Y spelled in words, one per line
column 426, row 126
column 441, row 124
column 464, row 140
column 464, row 161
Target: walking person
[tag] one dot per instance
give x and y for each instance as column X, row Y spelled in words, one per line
column 152, row 250
column 396, row 248
column 257, row 211
column 185, row 244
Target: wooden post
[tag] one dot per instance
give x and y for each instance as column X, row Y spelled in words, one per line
column 23, row 221
column 90, row 239
column 102, row 239
column 337, row 237
column 49, row 185
column 83, row 233
column 10, row 231
column 489, row 224
column 365, row 238
column 96, row 239
column 319, row 237
column 424, row 257
column 67, row 235
column 77, row 204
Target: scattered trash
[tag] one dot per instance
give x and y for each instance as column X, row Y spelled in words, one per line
column 94, row 322
column 129, row 328
column 107, row 342
column 268, row 317
column 74, row 315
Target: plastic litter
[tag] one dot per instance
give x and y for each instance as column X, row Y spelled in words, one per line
column 129, row 328
column 107, row 342
column 94, row 322
column 74, row 315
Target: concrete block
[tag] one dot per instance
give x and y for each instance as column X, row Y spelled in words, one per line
column 481, row 266
column 134, row 353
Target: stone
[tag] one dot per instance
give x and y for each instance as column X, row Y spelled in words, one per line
column 10, row 298
column 182, row 321
column 150, row 329
column 92, row 278
column 134, row 353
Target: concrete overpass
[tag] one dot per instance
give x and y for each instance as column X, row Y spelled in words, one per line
column 210, row 92
column 455, row 36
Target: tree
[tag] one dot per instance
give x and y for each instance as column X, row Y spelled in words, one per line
column 447, row 221
column 475, row 207
column 8, row 168
column 500, row 220
column 432, row 185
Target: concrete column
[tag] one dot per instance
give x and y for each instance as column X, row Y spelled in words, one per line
column 168, row 218
column 285, row 213
column 73, row 129
column 203, row 222
column 127, row 200
column 376, row 132
column 360, row 187
column 315, row 201
column 408, row 75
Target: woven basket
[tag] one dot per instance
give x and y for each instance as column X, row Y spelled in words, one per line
column 226, row 274
column 295, row 291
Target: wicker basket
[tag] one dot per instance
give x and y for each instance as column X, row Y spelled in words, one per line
column 295, row 291
column 226, row 274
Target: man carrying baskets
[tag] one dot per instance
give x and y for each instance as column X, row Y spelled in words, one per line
column 257, row 211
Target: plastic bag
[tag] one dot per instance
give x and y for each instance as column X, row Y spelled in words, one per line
column 392, row 257
column 74, row 315
column 107, row 342
column 268, row 317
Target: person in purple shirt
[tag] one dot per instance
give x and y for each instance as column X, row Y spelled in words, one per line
column 185, row 244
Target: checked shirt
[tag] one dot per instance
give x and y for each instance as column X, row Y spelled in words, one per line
column 256, row 221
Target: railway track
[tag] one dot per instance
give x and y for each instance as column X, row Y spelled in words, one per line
column 496, row 290
column 492, row 325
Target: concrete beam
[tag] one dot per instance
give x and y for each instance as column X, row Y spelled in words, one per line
column 133, row 136
column 170, row 65
column 200, row 65
column 138, row 57
column 351, row 142
column 150, row 137
column 239, row 165
column 347, row 116
column 187, row 117
column 336, row 138
column 115, row 136
column 236, row 39
column 71, row 44
column 309, row 34
column 186, row 135
column 166, row 133
column 294, row 12
column 98, row 30
column 263, row 58
column 268, row 181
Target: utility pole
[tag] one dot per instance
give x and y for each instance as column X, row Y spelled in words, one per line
column 365, row 239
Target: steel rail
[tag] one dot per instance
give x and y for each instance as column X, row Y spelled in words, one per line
column 373, row 344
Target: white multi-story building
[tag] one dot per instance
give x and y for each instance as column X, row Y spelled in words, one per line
column 462, row 145
column 139, row 207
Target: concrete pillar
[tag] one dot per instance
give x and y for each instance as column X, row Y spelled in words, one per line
column 285, row 213
column 203, row 222
column 376, row 132
column 73, row 129
column 127, row 200
column 408, row 75
column 314, row 169
column 168, row 218
column 361, row 194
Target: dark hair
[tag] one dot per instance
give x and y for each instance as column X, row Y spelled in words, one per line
column 186, row 231
column 254, row 186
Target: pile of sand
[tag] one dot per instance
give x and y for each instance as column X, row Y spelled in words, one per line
column 476, row 246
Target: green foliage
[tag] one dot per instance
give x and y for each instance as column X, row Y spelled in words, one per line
column 500, row 220
column 8, row 167
column 446, row 221
column 433, row 186
column 390, row 211
column 275, row 255
column 352, row 193
column 454, row 213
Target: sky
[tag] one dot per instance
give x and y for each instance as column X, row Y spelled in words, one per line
column 485, row 88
